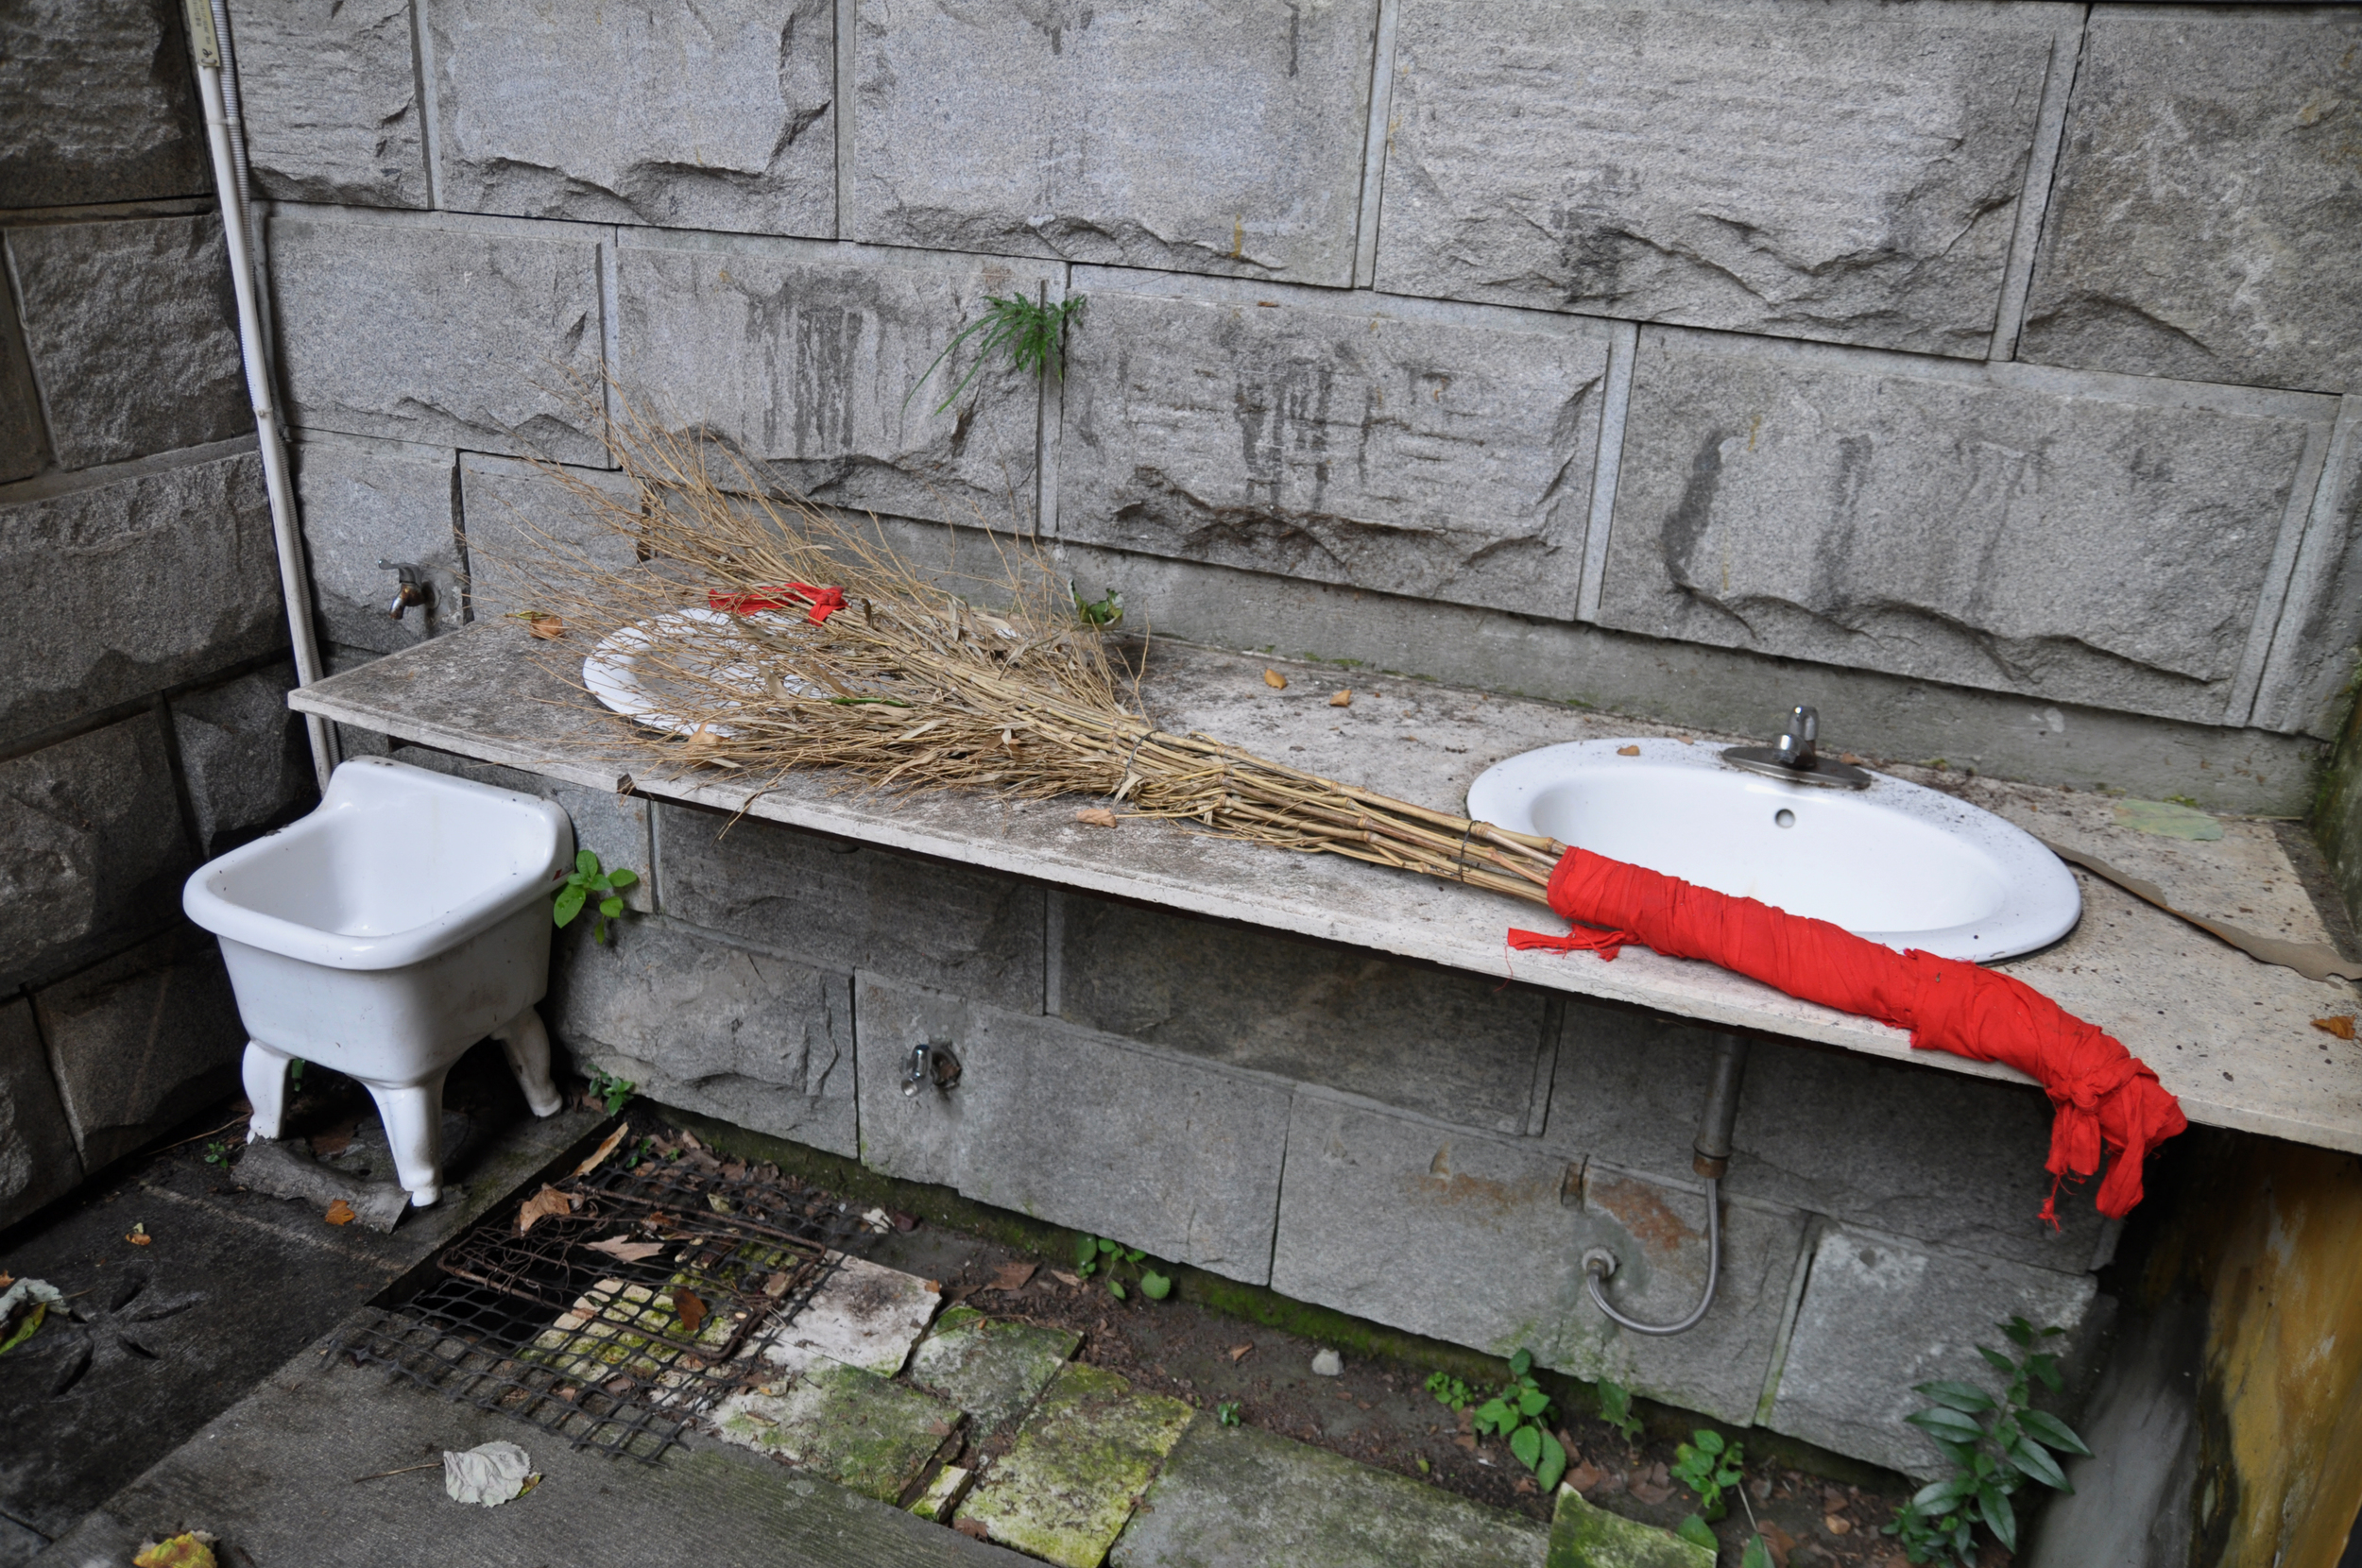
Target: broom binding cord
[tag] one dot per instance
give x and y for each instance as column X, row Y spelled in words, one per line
column 2105, row 1098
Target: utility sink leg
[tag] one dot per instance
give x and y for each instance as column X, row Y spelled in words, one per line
column 413, row 1114
column 527, row 1045
column 265, row 1074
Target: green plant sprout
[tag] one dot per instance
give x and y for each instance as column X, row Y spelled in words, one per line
column 1096, row 613
column 1616, row 1410
column 614, row 1093
column 1521, row 1412
column 1096, row 1254
column 1449, row 1391
column 1031, row 329
column 217, row 1153
column 588, row 878
column 1995, row 1446
column 1227, row 1413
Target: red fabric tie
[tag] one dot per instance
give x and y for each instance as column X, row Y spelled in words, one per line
column 2105, row 1095
column 825, row 602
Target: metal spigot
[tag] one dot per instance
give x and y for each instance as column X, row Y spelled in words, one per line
column 1797, row 757
column 932, row 1062
column 1795, row 747
column 415, row 588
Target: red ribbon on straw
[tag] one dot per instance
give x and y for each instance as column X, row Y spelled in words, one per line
column 2104, row 1094
column 825, row 602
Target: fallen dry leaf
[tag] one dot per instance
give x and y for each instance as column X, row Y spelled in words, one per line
column 1012, row 1277
column 333, row 1140
column 1849, row 759
column 1065, row 1279
column 548, row 628
column 625, row 1250
column 1467, row 1441
column 1238, row 1353
column 776, row 1285
column 1584, row 1475
column 1098, row 816
column 702, row 738
column 339, row 1213
column 690, row 1308
column 541, row 1205
column 2341, row 1026
column 1525, row 1486
column 1652, row 1487
column 1274, row 679
column 138, row 1235
column 1627, row 750
column 1343, row 699
column 1778, row 1541
column 613, row 1139
column 972, row 1528
column 193, row 1550
column 1837, row 1525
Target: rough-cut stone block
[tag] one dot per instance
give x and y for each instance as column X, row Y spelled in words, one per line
column 1079, row 1467
column 1451, row 1045
column 1239, row 1494
column 1178, row 1158
column 1987, row 529
column 140, row 580
column 2305, row 686
column 23, row 442
column 612, row 826
column 516, row 521
column 989, row 1368
column 1479, row 1241
column 1881, row 1315
column 247, row 764
column 91, row 846
column 852, row 906
column 864, row 1433
column 1957, row 1162
column 863, row 1315
column 752, row 1038
column 709, row 116
column 800, row 357
column 445, row 336
column 366, row 503
column 1847, row 172
column 1444, row 454
column 38, row 1160
column 1586, row 1537
column 330, row 100
column 133, row 334
column 97, row 103
column 142, row 1041
column 2203, row 223
column 1226, row 137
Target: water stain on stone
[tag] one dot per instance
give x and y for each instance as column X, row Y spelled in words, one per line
column 1637, row 1206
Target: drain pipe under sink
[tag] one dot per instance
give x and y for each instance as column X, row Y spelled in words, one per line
column 209, row 35
column 1712, row 1159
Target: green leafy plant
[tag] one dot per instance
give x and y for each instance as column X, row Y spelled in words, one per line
column 1709, row 1466
column 638, row 1152
column 1449, row 1390
column 1227, row 1413
column 1616, row 1410
column 1521, row 1412
column 217, row 1153
column 295, row 1075
column 585, row 879
column 1995, row 1446
column 614, row 1093
column 1096, row 613
column 1096, row 1256
column 1031, row 329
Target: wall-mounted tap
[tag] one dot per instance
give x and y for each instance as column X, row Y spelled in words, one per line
column 415, row 587
column 932, row 1062
column 1710, row 1157
column 1797, row 756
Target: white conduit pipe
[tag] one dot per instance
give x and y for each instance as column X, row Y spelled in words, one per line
column 209, row 34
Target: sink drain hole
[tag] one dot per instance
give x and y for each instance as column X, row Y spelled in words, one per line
column 1784, row 817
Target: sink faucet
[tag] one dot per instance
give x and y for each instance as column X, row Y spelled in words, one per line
column 414, row 588
column 1797, row 757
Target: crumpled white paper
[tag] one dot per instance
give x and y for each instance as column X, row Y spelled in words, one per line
column 490, row 1474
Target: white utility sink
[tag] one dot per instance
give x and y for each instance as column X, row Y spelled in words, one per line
column 1894, row 862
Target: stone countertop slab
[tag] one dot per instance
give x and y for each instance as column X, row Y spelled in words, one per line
column 2233, row 1037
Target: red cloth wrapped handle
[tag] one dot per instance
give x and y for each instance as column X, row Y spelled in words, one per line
column 825, row 602
column 2104, row 1094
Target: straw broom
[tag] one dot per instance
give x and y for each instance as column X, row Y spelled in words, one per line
column 910, row 685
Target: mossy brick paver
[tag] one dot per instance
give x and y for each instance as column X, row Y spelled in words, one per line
column 1586, row 1537
column 863, row 1315
column 988, row 1367
column 852, row 1426
column 943, row 1493
column 1237, row 1497
column 1082, row 1460
column 619, row 1326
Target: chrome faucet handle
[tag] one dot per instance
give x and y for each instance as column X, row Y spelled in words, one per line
column 1797, row 757
column 1796, row 742
column 415, row 588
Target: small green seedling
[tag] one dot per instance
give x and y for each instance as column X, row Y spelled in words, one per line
column 1449, row 1391
column 1031, row 329
column 639, row 1151
column 1708, row 1466
column 1227, row 1413
column 1098, row 1256
column 217, row 1153
column 1521, row 1412
column 1096, row 613
column 1995, row 1446
column 614, row 1093
column 1616, row 1410
column 585, row 879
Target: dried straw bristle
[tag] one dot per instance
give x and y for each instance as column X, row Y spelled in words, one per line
column 913, row 686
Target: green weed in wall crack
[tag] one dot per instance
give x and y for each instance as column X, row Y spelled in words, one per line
column 612, row 1092
column 1096, row 1254
column 1995, row 1446
column 585, row 879
column 1519, row 1411
column 1031, row 329
column 1616, row 1410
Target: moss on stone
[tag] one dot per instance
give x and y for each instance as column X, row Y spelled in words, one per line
column 1081, row 1461
column 1586, row 1537
column 989, row 1368
column 856, row 1428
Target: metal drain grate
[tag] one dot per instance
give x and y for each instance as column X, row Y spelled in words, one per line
column 609, row 1352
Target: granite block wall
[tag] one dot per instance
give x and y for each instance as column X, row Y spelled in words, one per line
column 142, row 639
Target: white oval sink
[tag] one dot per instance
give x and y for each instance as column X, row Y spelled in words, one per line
column 1897, row 863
